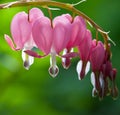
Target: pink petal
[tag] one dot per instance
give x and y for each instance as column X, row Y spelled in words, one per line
column 63, row 19
column 68, row 16
column 85, row 47
column 61, row 33
column 32, row 53
column 71, row 55
column 10, row 42
column 78, row 30
column 42, row 34
column 82, row 29
column 20, row 29
column 97, row 55
column 34, row 14
column 75, row 28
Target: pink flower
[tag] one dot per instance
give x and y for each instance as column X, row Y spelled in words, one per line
column 51, row 38
column 61, row 33
column 78, row 31
column 114, row 89
column 97, row 55
column 21, row 30
column 109, row 74
column 77, row 34
column 84, row 48
column 43, row 34
column 34, row 14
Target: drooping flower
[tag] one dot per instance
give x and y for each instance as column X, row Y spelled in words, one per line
column 61, row 37
column 43, row 34
column 21, row 30
column 109, row 76
column 51, row 38
column 78, row 30
column 97, row 56
column 61, row 33
column 114, row 89
column 84, row 48
column 103, row 75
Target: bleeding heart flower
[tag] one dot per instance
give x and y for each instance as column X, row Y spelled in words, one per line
column 21, row 30
column 97, row 56
column 77, row 34
column 84, row 48
column 78, row 31
column 51, row 38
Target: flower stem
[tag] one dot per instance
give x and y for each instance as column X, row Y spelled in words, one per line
column 50, row 3
column 50, row 15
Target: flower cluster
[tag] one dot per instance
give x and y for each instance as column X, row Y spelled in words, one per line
column 63, row 34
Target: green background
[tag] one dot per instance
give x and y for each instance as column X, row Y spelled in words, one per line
column 34, row 92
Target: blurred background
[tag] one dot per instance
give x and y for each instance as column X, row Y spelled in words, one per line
column 34, row 92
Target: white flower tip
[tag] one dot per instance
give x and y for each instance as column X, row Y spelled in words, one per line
column 66, row 63
column 80, row 69
column 28, row 60
column 87, row 69
column 102, row 84
column 26, row 65
column 93, row 79
column 53, row 71
column 101, row 80
column 94, row 92
column 79, row 78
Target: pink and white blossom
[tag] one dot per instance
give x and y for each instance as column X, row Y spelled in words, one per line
column 21, row 31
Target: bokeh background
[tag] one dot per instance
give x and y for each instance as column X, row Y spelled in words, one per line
column 34, row 92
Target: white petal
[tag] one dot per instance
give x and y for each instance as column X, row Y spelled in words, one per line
column 93, row 79
column 87, row 69
column 53, row 70
column 28, row 60
column 101, row 80
column 64, row 52
column 79, row 68
column 94, row 92
column 101, row 83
